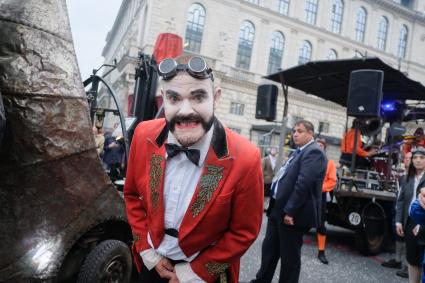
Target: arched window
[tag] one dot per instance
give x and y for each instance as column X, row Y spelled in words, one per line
column 361, row 18
column 194, row 28
column 276, row 52
column 311, row 11
column 283, row 6
column 246, row 41
column 305, row 52
column 337, row 11
column 402, row 42
column 382, row 33
column 332, row 55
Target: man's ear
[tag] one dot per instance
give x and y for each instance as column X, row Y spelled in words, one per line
column 217, row 95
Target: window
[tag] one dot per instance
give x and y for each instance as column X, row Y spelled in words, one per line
column 402, row 42
column 305, row 52
column 361, row 24
column 252, row 1
column 246, row 41
column 265, row 140
column 311, row 11
column 382, row 33
column 236, row 130
column 405, row 3
column 283, row 6
column 237, row 108
column 332, row 55
column 194, row 28
column 323, row 127
column 337, row 11
column 276, row 52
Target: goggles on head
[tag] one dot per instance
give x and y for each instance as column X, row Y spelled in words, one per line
column 418, row 150
column 196, row 67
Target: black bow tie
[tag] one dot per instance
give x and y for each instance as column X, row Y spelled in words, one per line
column 192, row 154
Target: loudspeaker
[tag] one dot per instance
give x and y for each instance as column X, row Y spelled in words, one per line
column 266, row 102
column 365, row 93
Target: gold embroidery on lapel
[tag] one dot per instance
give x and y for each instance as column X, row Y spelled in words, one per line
column 209, row 183
column 215, row 268
column 155, row 175
column 223, row 278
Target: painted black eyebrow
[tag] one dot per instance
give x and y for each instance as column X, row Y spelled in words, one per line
column 199, row 91
column 171, row 92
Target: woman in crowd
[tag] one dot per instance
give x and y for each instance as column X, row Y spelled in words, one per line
column 404, row 224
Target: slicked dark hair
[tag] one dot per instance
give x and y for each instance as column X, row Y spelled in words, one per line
column 307, row 125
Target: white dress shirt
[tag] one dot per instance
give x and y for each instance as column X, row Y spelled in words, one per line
column 181, row 179
column 282, row 170
column 415, row 186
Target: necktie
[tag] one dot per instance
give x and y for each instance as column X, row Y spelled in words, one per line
column 282, row 170
column 174, row 149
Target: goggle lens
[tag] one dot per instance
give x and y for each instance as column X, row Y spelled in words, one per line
column 196, row 67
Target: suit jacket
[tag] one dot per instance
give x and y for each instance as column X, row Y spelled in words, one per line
column 405, row 197
column 224, row 216
column 268, row 172
column 300, row 188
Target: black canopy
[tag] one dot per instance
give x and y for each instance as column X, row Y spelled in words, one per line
column 329, row 79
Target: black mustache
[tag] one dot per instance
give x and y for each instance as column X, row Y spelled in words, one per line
column 190, row 118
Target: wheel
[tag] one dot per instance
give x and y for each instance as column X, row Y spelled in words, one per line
column 110, row 261
column 371, row 238
column 360, row 240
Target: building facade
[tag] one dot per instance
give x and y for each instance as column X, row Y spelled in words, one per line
column 244, row 40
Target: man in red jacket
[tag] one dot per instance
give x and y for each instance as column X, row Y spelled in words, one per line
column 194, row 189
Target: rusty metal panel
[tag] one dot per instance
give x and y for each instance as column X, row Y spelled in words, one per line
column 52, row 185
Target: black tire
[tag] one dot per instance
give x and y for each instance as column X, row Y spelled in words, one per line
column 110, row 261
column 369, row 243
column 360, row 240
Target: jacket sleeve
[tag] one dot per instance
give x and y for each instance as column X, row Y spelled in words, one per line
column 244, row 226
column 135, row 198
column 330, row 178
column 399, row 213
column 312, row 170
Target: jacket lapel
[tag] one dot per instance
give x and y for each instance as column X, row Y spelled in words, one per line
column 216, row 169
column 156, row 176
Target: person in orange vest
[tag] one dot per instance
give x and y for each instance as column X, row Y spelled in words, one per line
column 347, row 147
column 329, row 183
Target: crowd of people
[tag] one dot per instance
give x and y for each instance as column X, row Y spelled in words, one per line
column 110, row 149
column 194, row 190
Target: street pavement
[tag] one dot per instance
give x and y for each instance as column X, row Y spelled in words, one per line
column 346, row 265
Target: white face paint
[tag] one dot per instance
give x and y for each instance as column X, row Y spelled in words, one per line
column 189, row 105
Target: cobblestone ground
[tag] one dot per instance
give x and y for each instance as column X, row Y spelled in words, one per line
column 346, row 265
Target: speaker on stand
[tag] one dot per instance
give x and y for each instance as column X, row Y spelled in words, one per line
column 266, row 102
column 364, row 99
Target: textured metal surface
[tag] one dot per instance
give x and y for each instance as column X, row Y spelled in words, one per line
column 52, row 185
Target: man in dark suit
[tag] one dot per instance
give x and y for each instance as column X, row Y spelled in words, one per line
column 295, row 206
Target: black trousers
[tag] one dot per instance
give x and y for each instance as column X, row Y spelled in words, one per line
column 284, row 242
column 414, row 251
column 322, row 227
column 150, row 276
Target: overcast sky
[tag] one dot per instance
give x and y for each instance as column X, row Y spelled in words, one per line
column 90, row 22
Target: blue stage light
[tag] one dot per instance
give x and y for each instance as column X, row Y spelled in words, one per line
column 388, row 106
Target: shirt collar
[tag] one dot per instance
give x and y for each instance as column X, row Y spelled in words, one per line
column 304, row 146
column 202, row 145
